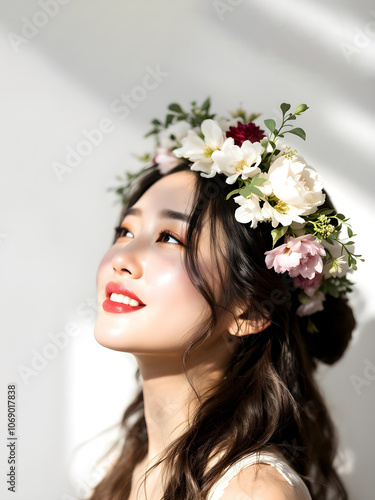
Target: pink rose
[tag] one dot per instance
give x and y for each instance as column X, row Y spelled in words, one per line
column 307, row 285
column 298, row 256
column 314, row 305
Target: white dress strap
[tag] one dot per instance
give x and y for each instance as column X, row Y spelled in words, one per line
column 283, row 467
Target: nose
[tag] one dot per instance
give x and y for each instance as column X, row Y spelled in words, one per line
column 128, row 260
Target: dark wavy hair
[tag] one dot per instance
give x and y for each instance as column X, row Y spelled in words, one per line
column 268, row 396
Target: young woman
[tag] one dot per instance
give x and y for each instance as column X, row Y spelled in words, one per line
column 227, row 304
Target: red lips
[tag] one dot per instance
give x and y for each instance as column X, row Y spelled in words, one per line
column 117, row 307
column 117, row 288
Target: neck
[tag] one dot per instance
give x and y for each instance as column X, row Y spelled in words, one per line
column 169, row 401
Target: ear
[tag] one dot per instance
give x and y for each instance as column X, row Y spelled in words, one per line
column 246, row 326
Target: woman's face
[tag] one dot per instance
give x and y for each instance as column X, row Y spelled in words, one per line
column 149, row 263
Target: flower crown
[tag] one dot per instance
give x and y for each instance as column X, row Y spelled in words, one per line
column 275, row 185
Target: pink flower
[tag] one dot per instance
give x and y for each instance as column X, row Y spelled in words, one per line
column 307, row 285
column 298, row 256
column 165, row 160
column 314, row 305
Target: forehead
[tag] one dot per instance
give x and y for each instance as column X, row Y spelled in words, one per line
column 175, row 191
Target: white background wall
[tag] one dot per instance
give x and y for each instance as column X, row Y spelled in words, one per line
column 64, row 79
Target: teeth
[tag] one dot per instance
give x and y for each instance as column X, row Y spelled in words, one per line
column 123, row 299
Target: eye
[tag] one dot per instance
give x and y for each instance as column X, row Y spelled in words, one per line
column 170, row 235
column 121, row 232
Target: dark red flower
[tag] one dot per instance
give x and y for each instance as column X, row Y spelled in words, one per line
column 248, row 132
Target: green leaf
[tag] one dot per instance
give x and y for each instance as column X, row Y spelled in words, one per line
column 257, row 181
column 256, row 191
column 168, row 120
column 325, row 211
column 264, row 142
column 270, row 124
column 328, row 240
column 297, row 131
column 350, row 243
column 156, row 122
column 277, row 234
column 206, row 104
column 232, row 192
column 175, row 107
column 300, row 109
column 340, row 216
column 284, row 107
column 154, row 131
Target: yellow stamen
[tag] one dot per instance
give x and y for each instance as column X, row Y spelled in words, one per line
column 239, row 165
column 288, row 153
column 207, row 152
column 281, row 207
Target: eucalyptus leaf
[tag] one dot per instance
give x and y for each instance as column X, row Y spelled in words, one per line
column 175, row 107
column 284, row 107
column 270, row 124
column 298, row 131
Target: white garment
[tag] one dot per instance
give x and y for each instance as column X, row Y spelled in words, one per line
column 282, row 466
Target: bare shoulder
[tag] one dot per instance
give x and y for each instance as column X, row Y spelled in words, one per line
column 260, row 482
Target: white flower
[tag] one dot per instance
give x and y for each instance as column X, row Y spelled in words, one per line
column 178, row 130
column 249, row 211
column 297, row 190
column 224, row 123
column 338, row 253
column 313, row 305
column 235, row 160
column 281, row 213
column 199, row 151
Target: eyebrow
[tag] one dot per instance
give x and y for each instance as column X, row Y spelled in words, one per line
column 165, row 214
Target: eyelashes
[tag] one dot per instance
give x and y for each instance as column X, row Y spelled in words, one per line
column 121, row 231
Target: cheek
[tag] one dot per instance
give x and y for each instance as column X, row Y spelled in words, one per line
column 167, row 280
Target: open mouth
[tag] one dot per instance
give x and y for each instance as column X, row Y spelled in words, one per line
column 123, row 299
